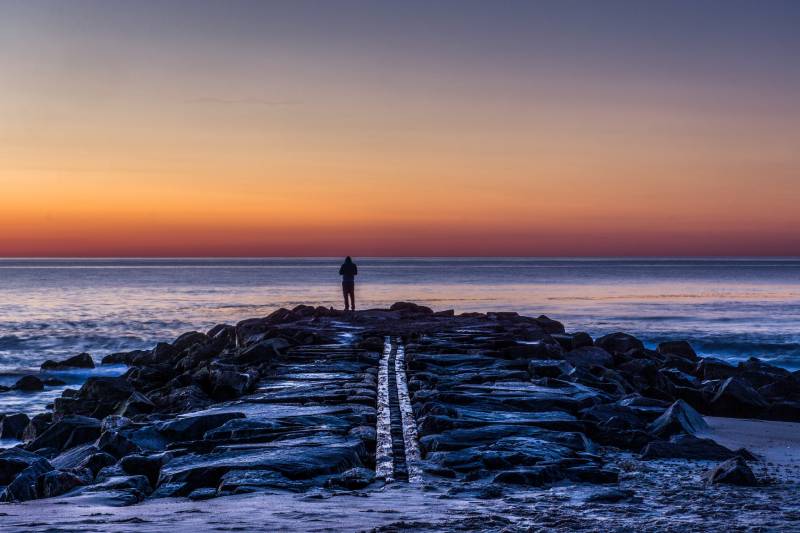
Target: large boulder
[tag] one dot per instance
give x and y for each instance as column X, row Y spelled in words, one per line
column 230, row 384
column 262, row 352
column 83, row 360
column 68, row 432
column 619, row 343
column 679, row 418
column 411, row 308
column 29, row 384
column 713, row 368
column 106, row 389
column 735, row 397
column 114, row 443
column 148, row 466
column 23, row 487
column 38, row 424
column 192, row 427
column 136, row 404
column 681, row 348
column 587, row 356
column 687, row 447
column 13, row 426
column 733, row 472
column 15, row 460
column 57, row 482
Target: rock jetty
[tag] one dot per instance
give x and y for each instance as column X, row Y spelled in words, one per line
column 318, row 399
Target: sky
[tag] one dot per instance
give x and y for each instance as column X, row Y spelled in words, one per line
column 413, row 128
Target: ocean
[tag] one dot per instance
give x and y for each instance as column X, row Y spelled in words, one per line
column 55, row 308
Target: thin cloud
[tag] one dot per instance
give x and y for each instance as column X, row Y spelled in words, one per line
column 242, row 101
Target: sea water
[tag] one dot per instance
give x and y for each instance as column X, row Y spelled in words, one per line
column 55, row 308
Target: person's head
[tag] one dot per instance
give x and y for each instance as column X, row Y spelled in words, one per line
column 348, row 260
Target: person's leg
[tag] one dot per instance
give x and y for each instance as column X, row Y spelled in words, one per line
column 353, row 297
column 345, row 293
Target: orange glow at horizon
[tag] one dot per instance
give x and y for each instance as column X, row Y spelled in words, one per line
column 118, row 146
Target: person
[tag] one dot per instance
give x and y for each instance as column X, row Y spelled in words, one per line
column 349, row 271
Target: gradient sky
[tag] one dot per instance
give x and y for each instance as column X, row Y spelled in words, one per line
column 536, row 128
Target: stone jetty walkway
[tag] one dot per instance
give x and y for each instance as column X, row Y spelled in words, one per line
column 463, row 413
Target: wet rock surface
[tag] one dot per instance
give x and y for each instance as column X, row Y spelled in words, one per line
column 502, row 405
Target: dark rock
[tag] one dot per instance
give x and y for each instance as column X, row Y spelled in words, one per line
column 29, row 384
column 263, row 352
column 13, row 426
column 687, row 447
column 38, row 424
column 353, row 479
column 244, row 481
column 713, row 368
column 67, row 432
column 534, row 477
column 106, row 389
column 619, row 343
column 136, row 404
column 679, row 418
column 15, row 460
column 23, row 487
column 192, row 427
column 411, row 308
column 733, row 472
column 587, row 356
column 73, row 458
column 611, row 496
column 57, row 482
column 83, row 360
column 148, row 466
column 203, row 494
column 98, row 461
column 592, row 474
column 123, row 358
column 549, row 325
column 116, row 444
column 736, row 398
column 229, row 384
column 681, row 348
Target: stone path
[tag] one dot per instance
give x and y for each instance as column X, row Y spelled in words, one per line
column 398, row 453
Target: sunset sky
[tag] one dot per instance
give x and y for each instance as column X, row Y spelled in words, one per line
column 529, row 128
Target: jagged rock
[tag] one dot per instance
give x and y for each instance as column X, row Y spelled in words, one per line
column 74, row 457
column 83, row 360
column 589, row 356
column 619, row 343
column 57, row 482
column 28, row 384
column 687, row 447
column 15, row 460
column 713, row 368
column 148, row 466
column 136, row 404
column 353, row 479
column 105, row 389
column 229, row 384
column 97, row 461
column 611, row 496
column 735, row 397
column 23, row 487
column 533, row 477
column 262, row 352
column 734, row 471
column 592, row 474
column 38, row 424
column 187, row 340
column 137, row 483
column 681, row 348
column 192, row 427
column 67, row 432
column 549, row 325
column 679, row 418
column 13, row 426
column 116, row 444
column 123, row 358
column 411, row 308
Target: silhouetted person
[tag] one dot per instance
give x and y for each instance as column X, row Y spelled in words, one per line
column 349, row 271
